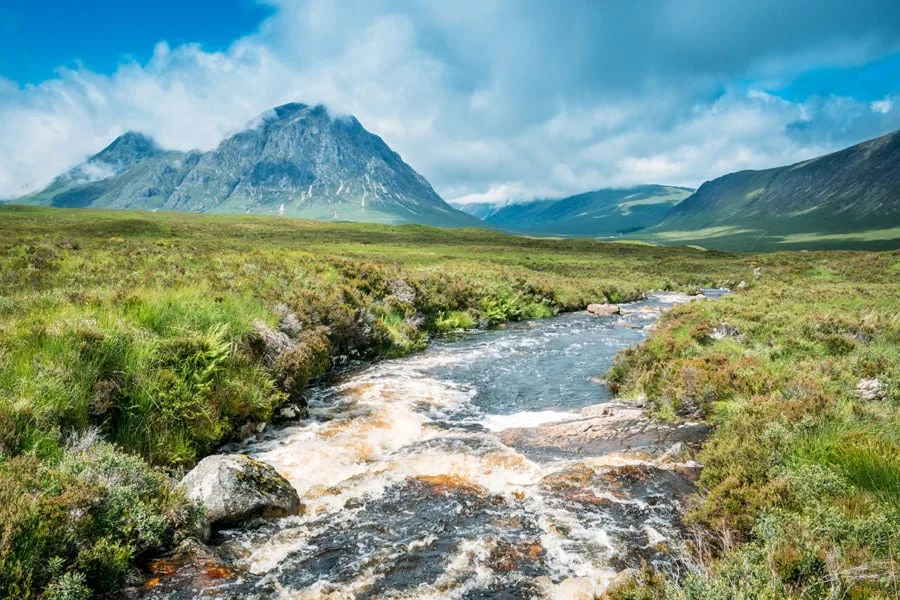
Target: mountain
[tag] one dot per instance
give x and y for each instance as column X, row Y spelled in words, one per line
column 848, row 199
column 597, row 213
column 295, row 160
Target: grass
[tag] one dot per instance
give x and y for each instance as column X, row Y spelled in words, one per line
column 800, row 491
column 145, row 332
column 132, row 344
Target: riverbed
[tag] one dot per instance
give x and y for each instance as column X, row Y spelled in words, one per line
column 422, row 477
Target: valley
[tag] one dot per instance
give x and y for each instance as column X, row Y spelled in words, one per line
column 95, row 305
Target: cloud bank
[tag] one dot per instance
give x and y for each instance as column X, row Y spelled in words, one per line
column 496, row 100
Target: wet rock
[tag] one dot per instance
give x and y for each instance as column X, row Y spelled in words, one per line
column 291, row 412
column 674, row 454
column 870, row 389
column 574, row 588
column 247, row 430
column 192, row 570
column 603, row 429
column 603, row 310
column 235, row 488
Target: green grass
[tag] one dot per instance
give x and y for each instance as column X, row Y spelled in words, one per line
column 140, row 332
column 800, row 491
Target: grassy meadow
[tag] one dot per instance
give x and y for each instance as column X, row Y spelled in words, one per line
column 129, row 349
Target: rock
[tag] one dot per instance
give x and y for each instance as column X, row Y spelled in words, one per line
column 288, row 412
column 870, row 389
column 624, row 578
column 603, row 310
column 247, row 430
column 673, row 454
column 402, row 291
column 290, row 323
column 724, row 331
column 234, row 488
column 742, row 285
column 270, row 343
column 606, row 428
column 192, row 570
column 574, row 588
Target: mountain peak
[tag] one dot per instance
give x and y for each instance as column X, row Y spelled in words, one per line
column 298, row 109
column 126, row 150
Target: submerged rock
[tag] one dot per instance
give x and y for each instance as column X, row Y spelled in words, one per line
column 234, row 488
column 188, row 571
column 603, row 310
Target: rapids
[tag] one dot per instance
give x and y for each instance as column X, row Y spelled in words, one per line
column 409, row 491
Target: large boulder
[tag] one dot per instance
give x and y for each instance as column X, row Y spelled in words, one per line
column 603, row 310
column 234, row 488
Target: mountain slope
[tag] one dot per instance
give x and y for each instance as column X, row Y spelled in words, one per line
column 850, row 198
column 597, row 213
column 296, row 160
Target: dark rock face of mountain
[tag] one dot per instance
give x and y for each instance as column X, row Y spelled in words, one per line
column 296, row 160
column 854, row 190
column 597, row 213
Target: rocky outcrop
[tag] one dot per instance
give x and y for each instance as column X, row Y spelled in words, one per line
column 603, row 310
column 234, row 488
column 604, row 429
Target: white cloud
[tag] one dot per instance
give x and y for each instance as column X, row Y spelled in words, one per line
column 883, row 106
column 490, row 100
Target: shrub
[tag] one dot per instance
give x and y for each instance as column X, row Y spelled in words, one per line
column 453, row 320
column 308, row 359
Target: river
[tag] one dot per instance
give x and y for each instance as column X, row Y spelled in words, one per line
column 414, row 486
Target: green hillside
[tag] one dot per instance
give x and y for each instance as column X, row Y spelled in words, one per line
column 597, row 213
column 849, row 199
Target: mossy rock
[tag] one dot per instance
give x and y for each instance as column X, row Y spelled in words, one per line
column 234, row 488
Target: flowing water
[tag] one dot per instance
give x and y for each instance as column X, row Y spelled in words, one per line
column 409, row 491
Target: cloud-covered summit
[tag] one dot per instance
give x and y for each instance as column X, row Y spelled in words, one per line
column 500, row 100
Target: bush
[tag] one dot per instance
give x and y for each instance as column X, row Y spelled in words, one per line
column 307, row 360
column 80, row 523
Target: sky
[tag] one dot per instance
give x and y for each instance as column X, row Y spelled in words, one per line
column 491, row 100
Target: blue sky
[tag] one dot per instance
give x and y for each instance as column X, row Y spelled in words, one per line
column 491, row 100
column 40, row 36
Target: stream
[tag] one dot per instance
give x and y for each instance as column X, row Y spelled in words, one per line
column 449, row 473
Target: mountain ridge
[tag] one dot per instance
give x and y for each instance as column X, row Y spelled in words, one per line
column 848, row 192
column 603, row 212
column 293, row 160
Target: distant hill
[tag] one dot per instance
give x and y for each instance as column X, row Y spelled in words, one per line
column 295, row 160
column 597, row 213
column 848, row 199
